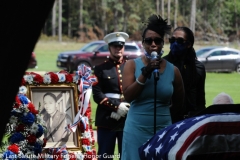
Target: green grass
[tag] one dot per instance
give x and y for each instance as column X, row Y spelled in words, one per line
column 222, row 82
column 46, row 53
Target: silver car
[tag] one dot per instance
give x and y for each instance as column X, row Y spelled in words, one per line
column 223, row 59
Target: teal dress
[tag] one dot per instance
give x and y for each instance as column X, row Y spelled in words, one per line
column 139, row 125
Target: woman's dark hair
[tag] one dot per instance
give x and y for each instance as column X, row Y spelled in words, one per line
column 158, row 25
column 189, row 34
column 190, row 55
column 51, row 95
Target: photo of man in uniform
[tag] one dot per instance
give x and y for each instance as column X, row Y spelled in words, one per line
column 55, row 120
column 56, row 108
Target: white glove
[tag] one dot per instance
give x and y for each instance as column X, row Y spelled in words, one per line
column 116, row 116
column 123, row 109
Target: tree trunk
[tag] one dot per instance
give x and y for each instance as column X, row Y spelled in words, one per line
column 219, row 13
column 60, row 20
column 80, row 13
column 157, row 6
column 69, row 19
column 236, row 22
column 125, row 16
column 205, row 17
column 104, row 21
column 193, row 16
column 115, row 20
column 175, row 13
column 69, row 28
column 54, row 20
column 162, row 8
column 169, row 11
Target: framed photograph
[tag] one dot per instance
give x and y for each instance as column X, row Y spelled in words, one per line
column 57, row 105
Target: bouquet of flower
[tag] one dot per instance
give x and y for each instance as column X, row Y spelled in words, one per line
column 24, row 130
column 49, row 78
column 25, row 126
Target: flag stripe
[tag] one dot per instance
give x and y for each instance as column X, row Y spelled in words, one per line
column 212, row 128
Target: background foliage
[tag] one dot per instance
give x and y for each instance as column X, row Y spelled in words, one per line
column 85, row 20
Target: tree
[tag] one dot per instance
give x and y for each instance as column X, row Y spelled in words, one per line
column 169, row 9
column 54, row 20
column 104, row 22
column 162, row 5
column 193, row 16
column 60, row 20
column 157, row 6
column 80, row 13
column 175, row 13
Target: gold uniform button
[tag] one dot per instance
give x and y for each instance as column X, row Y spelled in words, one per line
column 119, row 71
column 120, row 80
column 109, row 77
column 122, row 96
column 120, row 75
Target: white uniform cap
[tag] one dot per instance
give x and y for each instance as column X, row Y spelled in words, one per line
column 118, row 38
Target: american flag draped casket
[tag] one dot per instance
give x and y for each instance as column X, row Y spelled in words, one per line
column 204, row 137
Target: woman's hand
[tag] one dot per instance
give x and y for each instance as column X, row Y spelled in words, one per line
column 151, row 66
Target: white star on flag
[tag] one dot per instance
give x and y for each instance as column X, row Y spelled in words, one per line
column 159, row 148
column 146, row 150
column 197, row 118
column 161, row 135
column 173, row 136
column 179, row 125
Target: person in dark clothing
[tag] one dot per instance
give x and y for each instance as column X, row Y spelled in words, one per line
column 183, row 56
column 108, row 94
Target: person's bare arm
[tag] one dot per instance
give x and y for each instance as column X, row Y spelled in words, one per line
column 177, row 107
column 131, row 89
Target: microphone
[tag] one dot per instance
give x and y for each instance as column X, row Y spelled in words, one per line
column 155, row 72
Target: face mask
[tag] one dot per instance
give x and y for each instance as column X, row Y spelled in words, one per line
column 178, row 49
column 149, row 55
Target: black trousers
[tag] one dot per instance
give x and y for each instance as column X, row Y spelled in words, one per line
column 106, row 139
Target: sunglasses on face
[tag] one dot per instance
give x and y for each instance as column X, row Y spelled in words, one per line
column 178, row 40
column 157, row 41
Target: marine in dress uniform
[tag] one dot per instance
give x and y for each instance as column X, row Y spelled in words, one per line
column 108, row 94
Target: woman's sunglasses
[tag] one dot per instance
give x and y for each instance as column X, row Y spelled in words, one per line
column 149, row 41
column 178, row 40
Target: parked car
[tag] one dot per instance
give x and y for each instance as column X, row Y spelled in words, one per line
column 205, row 49
column 93, row 54
column 223, row 59
column 33, row 61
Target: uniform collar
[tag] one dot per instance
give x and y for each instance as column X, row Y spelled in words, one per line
column 116, row 62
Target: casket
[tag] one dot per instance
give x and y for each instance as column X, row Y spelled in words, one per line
column 213, row 134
